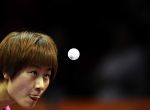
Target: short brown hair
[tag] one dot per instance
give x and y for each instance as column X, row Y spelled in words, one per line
column 20, row 49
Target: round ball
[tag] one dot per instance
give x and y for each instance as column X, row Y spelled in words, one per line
column 73, row 54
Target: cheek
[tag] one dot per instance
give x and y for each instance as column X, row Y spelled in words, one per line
column 20, row 85
column 46, row 84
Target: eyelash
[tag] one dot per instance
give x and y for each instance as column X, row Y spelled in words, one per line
column 47, row 75
column 36, row 74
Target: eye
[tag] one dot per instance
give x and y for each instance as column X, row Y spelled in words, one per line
column 47, row 75
column 34, row 73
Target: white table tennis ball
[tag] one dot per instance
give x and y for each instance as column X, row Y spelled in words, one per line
column 73, row 54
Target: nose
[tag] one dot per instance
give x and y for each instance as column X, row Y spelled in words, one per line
column 39, row 84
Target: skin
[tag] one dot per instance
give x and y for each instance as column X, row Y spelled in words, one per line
column 31, row 81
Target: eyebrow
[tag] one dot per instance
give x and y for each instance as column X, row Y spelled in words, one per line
column 37, row 66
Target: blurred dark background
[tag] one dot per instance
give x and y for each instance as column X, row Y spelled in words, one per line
column 112, row 37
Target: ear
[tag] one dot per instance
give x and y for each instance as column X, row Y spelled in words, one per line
column 6, row 76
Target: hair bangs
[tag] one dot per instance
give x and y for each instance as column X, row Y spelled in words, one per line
column 42, row 57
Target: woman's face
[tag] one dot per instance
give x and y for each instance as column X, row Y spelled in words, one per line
column 29, row 85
